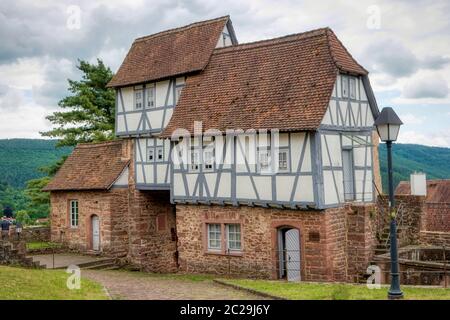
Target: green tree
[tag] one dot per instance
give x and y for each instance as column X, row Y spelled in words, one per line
column 23, row 217
column 90, row 108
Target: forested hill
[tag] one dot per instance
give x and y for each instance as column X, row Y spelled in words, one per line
column 20, row 159
column 407, row 158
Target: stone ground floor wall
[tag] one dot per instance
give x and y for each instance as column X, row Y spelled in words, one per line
column 335, row 244
column 435, row 238
column 110, row 206
column 152, row 231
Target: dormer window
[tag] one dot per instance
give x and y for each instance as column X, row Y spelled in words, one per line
column 345, row 87
column 150, row 97
column 352, row 82
column 138, row 99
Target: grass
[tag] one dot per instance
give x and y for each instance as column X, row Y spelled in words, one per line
column 41, row 245
column 322, row 291
column 39, row 284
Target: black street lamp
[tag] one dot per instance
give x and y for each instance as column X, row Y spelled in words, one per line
column 388, row 125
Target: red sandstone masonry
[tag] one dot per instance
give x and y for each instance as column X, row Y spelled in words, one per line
column 324, row 260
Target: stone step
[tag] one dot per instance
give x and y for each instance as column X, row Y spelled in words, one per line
column 101, row 266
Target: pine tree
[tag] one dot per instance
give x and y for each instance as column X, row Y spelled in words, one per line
column 90, row 108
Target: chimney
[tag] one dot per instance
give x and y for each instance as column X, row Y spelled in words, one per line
column 418, row 184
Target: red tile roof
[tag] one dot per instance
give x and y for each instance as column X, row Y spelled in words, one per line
column 438, row 191
column 283, row 83
column 170, row 53
column 90, row 167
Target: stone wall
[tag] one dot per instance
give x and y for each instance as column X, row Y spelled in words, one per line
column 325, row 245
column 437, row 217
column 35, row 234
column 435, row 238
column 111, row 208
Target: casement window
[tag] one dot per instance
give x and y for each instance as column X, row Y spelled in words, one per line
column 233, row 237
column 345, row 87
column 138, row 99
column 178, row 93
column 283, row 160
column 208, row 160
column 159, row 154
column 214, row 236
column 264, row 161
column 150, row 154
column 150, row 97
column 224, row 238
column 73, row 213
column 195, row 160
column 155, row 154
column 352, row 82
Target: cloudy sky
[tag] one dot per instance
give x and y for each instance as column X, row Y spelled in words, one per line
column 404, row 44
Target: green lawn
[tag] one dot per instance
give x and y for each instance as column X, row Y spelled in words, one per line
column 41, row 245
column 39, row 284
column 322, row 291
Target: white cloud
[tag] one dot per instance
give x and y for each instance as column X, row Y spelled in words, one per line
column 438, row 139
column 428, row 86
column 411, row 119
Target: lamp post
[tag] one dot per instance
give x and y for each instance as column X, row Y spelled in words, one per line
column 388, row 125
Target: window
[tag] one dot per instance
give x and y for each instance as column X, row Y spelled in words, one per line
column 159, row 154
column 208, row 160
column 195, row 160
column 138, row 99
column 264, row 160
column 345, row 87
column 214, row 236
column 73, row 213
column 352, row 88
column 178, row 93
column 233, row 237
column 151, row 97
column 150, row 154
column 283, row 160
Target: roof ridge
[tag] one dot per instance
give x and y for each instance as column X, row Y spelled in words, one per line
column 98, row 144
column 273, row 41
column 330, row 31
column 182, row 28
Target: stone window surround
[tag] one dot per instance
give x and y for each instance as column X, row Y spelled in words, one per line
column 223, row 250
column 295, row 224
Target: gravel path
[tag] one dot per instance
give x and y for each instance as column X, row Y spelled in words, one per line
column 141, row 286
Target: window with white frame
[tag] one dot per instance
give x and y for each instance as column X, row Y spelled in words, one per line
column 150, row 97
column 283, row 160
column 233, row 237
column 208, row 159
column 264, row 160
column 138, row 98
column 214, row 236
column 150, row 154
column 73, row 213
column 195, row 160
column 159, row 154
column 345, row 87
column 352, row 82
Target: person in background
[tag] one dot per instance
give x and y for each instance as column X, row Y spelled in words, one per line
column 8, row 212
column 4, row 225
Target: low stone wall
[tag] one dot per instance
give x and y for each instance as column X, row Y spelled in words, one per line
column 13, row 253
column 435, row 238
column 35, row 234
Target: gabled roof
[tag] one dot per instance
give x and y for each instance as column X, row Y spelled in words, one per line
column 90, row 167
column 170, row 53
column 283, row 83
column 438, row 191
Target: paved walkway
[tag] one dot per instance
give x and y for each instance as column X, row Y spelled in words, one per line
column 141, row 286
column 62, row 260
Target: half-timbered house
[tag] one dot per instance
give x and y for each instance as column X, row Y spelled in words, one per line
column 257, row 159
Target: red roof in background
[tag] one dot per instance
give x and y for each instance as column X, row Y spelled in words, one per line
column 170, row 53
column 283, row 83
column 438, row 191
column 94, row 166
